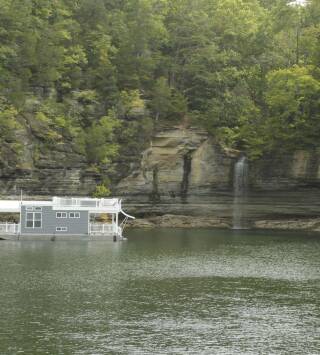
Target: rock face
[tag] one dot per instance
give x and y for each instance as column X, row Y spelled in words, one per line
column 185, row 172
column 312, row 224
column 181, row 165
column 174, row 221
column 45, row 168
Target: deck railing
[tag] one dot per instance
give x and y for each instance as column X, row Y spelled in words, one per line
column 9, row 228
column 84, row 202
column 102, row 228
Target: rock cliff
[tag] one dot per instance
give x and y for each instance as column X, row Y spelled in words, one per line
column 45, row 166
column 186, row 172
column 183, row 172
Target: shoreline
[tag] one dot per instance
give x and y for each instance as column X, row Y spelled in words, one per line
column 183, row 221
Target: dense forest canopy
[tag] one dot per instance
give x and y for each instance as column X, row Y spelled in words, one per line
column 104, row 74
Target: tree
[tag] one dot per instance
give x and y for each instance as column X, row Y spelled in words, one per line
column 222, row 63
column 101, row 191
column 100, row 141
column 293, row 97
column 161, row 100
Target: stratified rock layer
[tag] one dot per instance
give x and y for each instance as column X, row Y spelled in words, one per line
column 184, row 172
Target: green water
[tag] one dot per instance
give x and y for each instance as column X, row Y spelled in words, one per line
column 162, row 292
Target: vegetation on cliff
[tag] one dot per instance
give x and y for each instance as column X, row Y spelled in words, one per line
column 100, row 75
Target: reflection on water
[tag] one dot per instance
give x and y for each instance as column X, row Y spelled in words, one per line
column 162, row 291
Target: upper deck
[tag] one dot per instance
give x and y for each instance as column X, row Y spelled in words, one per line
column 111, row 205
column 93, row 205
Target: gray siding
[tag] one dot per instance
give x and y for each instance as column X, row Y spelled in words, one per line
column 76, row 226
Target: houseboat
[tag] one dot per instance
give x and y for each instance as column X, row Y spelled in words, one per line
column 65, row 217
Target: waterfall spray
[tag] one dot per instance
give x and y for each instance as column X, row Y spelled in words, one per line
column 240, row 190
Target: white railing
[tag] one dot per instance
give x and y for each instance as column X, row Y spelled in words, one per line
column 102, row 228
column 84, row 202
column 9, row 228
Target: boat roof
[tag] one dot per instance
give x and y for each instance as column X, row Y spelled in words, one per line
column 9, row 206
column 110, row 205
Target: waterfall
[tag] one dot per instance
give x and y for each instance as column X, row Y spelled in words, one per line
column 240, row 189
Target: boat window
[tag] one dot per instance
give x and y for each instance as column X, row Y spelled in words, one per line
column 74, row 215
column 29, row 220
column 61, row 229
column 34, row 220
column 37, row 219
column 61, row 215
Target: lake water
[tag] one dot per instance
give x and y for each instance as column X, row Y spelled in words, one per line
column 162, row 292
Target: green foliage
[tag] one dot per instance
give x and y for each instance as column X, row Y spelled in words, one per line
column 245, row 70
column 101, row 191
column 168, row 103
column 293, row 97
column 161, row 98
column 8, row 123
column 135, row 136
column 130, row 104
column 10, row 147
column 99, row 140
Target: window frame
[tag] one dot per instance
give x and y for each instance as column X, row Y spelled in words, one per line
column 34, row 208
column 75, row 215
column 61, row 229
column 33, row 220
column 63, row 215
